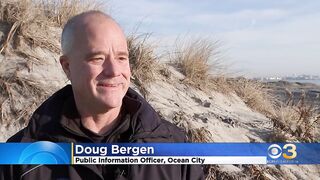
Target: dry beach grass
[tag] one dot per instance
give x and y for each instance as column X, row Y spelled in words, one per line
column 143, row 61
column 32, row 19
column 197, row 59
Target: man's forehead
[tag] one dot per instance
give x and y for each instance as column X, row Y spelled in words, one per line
column 97, row 25
column 96, row 18
column 91, row 17
column 97, row 33
column 100, row 31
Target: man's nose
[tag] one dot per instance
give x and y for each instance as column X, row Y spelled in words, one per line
column 111, row 67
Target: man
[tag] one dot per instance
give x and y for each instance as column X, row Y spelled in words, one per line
column 98, row 107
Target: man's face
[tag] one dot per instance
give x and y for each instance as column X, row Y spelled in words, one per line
column 99, row 68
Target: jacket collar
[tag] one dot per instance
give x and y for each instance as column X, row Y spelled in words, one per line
column 71, row 120
column 51, row 118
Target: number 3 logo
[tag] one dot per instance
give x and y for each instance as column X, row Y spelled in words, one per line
column 291, row 148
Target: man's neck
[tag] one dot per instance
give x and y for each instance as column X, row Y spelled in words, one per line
column 102, row 122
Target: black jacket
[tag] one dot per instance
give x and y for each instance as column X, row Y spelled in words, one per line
column 57, row 120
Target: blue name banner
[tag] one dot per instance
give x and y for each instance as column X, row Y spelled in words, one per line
column 170, row 149
column 44, row 152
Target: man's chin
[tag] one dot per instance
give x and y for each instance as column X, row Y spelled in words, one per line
column 109, row 100
column 109, row 103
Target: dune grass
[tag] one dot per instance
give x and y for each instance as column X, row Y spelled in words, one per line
column 255, row 95
column 296, row 121
column 197, row 59
column 31, row 19
column 143, row 61
column 291, row 121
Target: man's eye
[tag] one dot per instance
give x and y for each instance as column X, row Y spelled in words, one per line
column 97, row 59
column 123, row 58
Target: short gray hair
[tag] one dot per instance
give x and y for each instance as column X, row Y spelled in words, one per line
column 68, row 32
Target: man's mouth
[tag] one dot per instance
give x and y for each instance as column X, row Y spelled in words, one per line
column 109, row 84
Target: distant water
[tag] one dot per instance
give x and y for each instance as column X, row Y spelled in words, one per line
column 306, row 81
column 302, row 81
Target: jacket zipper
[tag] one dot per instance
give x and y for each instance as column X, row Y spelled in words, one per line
column 29, row 170
column 78, row 134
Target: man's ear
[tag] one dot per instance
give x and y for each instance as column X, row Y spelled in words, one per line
column 64, row 61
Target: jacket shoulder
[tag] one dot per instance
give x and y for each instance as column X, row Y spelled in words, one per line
column 44, row 114
column 177, row 134
column 150, row 125
column 16, row 137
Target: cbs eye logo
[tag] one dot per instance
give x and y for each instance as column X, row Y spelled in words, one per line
column 44, row 152
column 275, row 151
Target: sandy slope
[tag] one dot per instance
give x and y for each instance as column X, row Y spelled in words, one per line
column 227, row 118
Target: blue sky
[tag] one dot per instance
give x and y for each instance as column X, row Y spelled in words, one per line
column 258, row 37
